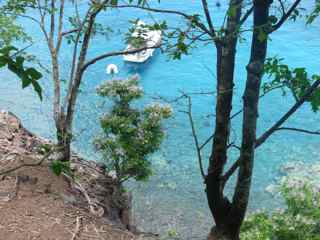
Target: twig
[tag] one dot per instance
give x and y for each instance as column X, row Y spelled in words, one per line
column 117, row 53
column 27, row 164
column 208, row 17
column 97, row 232
column 77, row 229
column 299, row 130
column 92, row 205
column 21, row 50
column 190, row 18
column 285, row 16
column 277, row 126
column 194, row 134
column 245, row 16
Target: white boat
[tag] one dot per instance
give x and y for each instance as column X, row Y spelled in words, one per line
column 150, row 38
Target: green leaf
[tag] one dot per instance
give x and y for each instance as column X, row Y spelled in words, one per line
column 114, row 2
column 262, row 35
column 34, row 74
column 59, row 167
column 38, row 89
column 3, row 61
column 6, row 50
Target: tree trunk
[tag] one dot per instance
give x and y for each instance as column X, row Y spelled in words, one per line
column 74, row 87
column 62, row 128
column 226, row 51
column 229, row 216
column 250, row 114
column 64, row 137
column 222, row 233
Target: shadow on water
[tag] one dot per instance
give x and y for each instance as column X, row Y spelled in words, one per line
column 141, row 68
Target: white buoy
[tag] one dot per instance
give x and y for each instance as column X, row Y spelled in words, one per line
column 112, row 69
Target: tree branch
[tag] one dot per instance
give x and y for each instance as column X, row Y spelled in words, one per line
column 52, row 23
column 208, row 17
column 74, row 57
column 246, row 16
column 28, row 164
column 230, row 172
column 60, row 25
column 299, row 130
column 182, row 14
column 113, row 54
column 277, row 126
column 287, row 115
column 65, row 33
column 73, row 92
column 194, row 134
column 285, row 16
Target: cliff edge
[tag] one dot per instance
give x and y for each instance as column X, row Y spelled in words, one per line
column 37, row 204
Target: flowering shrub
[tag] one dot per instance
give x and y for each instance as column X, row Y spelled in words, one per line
column 130, row 135
column 300, row 220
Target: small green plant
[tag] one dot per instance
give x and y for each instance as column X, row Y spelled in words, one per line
column 129, row 135
column 60, row 167
column 299, row 221
column 44, row 148
column 172, row 234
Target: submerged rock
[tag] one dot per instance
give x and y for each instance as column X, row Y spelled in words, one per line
column 297, row 174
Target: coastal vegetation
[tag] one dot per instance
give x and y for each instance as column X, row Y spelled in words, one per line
column 130, row 135
column 299, row 220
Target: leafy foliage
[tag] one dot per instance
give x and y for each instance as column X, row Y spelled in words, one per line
column 98, row 29
column 296, row 80
column 44, row 148
column 300, row 220
column 11, row 57
column 28, row 76
column 10, row 31
column 314, row 13
column 59, row 167
column 129, row 135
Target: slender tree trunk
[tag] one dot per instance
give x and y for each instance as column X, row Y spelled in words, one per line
column 64, row 138
column 66, row 118
column 250, row 114
column 226, row 51
column 74, row 88
column 62, row 129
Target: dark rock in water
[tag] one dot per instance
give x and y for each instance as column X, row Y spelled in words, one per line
column 206, row 124
column 218, row 4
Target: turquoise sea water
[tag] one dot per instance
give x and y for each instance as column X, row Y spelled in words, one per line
column 174, row 197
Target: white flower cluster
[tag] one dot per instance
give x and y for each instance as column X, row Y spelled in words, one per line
column 121, row 87
column 158, row 110
column 140, row 134
column 120, row 152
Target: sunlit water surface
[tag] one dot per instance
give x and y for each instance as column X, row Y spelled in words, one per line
column 174, row 198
